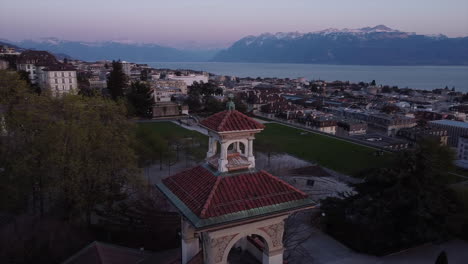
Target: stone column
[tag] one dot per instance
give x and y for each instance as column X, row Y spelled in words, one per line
column 190, row 243
column 223, row 157
column 250, row 156
column 210, row 147
column 273, row 257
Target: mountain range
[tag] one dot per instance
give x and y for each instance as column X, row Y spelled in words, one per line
column 379, row 45
column 113, row 50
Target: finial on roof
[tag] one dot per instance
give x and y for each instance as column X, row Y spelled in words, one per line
column 230, row 105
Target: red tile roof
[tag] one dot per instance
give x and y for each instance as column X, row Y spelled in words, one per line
column 230, row 120
column 208, row 195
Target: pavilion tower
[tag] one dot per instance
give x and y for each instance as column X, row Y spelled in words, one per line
column 231, row 135
column 226, row 202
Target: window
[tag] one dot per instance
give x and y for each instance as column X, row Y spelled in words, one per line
column 63, row 74
column 70, row 80
column 69, row 74
column 55, row 80
column 55, row 74
column 71, row 86
column 310, row 183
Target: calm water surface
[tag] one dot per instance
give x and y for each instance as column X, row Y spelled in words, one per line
column 417, row 77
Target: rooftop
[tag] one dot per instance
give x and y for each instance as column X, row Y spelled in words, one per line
column 450, row 123
column 230, row 120
column 207, row 197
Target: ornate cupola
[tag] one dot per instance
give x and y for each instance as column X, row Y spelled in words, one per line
column 226, row 203
column 231, row 136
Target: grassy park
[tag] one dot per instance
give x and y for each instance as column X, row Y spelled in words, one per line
column 339, row 155
column 329, row 152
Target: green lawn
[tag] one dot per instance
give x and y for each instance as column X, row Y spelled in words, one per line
column 170, row 130
column 329, row 152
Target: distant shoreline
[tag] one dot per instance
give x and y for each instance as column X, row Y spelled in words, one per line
column 427, row 77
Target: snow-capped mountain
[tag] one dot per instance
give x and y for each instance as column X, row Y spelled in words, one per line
column 379, row 45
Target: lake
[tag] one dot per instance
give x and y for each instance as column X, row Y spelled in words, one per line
column 417, row 77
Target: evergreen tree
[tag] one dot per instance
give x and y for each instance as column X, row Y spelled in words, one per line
column 398, row 207
column 141, row 99
column 117, row 81
column 442, row 258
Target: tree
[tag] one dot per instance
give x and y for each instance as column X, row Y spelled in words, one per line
column 213, row 105
column 70, row 154
column 144, row 75
column 390, row 109
column 442, row 258
column 240, row 106
column 12, row 86
column 84, row 87
column 201, row 94
column 373, row 83
column 386, row 89
column 117, row 81
column 141, row 99
column 397, row 207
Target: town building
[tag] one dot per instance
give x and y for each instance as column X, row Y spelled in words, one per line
column 323, row 125
column 417, row 133
column 189, row 79
column 59, row 79
column 32, row 61
column 386, row 122
column 169, row 109
column 455, row 129
column 44, row 70
column 226, row 203
column 350, row 127
column 462, row 152
column 164, row 84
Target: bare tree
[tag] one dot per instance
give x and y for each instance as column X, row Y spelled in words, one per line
column 297, row 231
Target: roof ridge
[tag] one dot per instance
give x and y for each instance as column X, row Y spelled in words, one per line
column 283, row 182
column 210, row 197
column 226, row 117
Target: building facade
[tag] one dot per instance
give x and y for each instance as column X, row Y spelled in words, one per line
column 455, row 129
column 44, row 70
column 59, row 79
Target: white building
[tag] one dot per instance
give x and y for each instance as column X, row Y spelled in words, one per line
column 46, row 71
column 126, row 67
column 59, row 79
column 32, row 61
column 189, row 79
column 165, row 94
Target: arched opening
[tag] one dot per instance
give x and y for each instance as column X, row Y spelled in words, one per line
column 237, row 146
column 249, row 250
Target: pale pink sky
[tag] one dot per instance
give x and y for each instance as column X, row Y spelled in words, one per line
column 217, row 23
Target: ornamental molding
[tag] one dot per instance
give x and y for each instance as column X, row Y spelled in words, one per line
column 218, row 246
column 275, row 232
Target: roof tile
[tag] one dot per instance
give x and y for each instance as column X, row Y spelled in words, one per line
column 208, row 195
column 230, row 120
